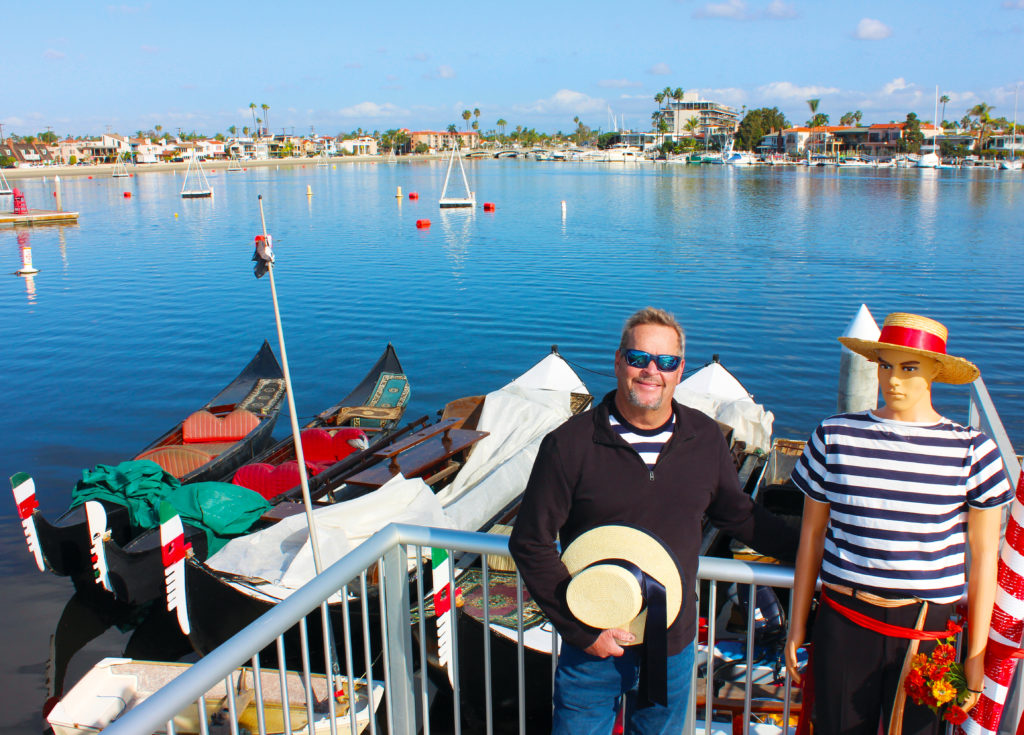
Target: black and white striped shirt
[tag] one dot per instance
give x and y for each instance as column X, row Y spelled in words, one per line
column 899, row 494
column 647, row 443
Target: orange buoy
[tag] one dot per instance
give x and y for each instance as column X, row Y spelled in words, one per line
column 422, row 224
column 127, row 195
column 413, row 195
column 130, row 176
column 488, row 206
column 90, row 177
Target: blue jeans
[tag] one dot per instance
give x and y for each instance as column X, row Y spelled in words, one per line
column 587, row 691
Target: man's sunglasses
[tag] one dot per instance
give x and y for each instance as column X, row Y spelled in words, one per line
column 641, row 359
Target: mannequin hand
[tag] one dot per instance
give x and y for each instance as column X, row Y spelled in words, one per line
column 792, row 644
column 974, row 672
column 607, row 643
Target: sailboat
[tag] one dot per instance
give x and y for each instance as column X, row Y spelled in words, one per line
column 1013, row 164
column 195, row 186
column 5, row 188
column 448, row 202
column 322, row 161
column 120, row 169
column 931, row 159
column 234, row 164
column 392, row 156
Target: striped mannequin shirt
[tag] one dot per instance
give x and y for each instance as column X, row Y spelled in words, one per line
column 899, row 493
column 647, row 443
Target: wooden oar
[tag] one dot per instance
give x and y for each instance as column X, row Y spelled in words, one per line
column 896, row 720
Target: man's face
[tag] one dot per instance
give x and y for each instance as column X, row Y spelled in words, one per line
column 647, row 387
column 905, row 379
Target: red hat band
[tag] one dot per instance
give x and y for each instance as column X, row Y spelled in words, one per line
column 917, row 339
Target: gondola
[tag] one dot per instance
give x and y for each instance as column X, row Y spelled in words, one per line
column 242, row 414
column 504, row 430
column 335, row 444
column 746, row 427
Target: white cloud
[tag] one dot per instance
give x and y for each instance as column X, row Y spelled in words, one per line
column 353, row 65
column 123, row 9
column 790, row 91
column 149, row 49
column 733, row 96
column 617, row 83
column 1013, row 4
column 372, row 109
column 896, row 85
column 781, row 10
column 53, row 54
column 660, row 69
column 731, row 9
column 445, row 72
column 420, row 56
column 566, row 101
column 870, row 29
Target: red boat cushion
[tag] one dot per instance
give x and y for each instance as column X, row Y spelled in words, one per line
column 203, row 426
column 341, row 445
column 316, row 445
column 178, row 460
column 266, row 479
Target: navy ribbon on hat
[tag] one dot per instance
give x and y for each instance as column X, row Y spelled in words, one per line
column 654, row 664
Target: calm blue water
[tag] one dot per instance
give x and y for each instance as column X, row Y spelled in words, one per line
column 138, row 315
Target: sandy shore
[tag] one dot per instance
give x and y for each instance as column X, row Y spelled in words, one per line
column 106, row 169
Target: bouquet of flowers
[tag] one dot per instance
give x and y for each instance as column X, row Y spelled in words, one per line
column 938, row 682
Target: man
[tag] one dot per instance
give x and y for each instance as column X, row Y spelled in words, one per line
column 641, row 459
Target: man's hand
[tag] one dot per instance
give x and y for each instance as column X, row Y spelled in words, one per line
column 607, row 644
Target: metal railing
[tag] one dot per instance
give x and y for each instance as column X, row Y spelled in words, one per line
column 390, row 653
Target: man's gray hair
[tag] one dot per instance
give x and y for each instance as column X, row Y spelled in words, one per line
column 651, row 315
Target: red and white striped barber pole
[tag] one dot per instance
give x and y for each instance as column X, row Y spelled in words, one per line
column 1004, row 638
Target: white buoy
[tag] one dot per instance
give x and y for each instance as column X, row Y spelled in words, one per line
column 56, row 193
column 858, row 376
column 309, row 190
column 26, row 262
column 398, row 195
column 563, row 209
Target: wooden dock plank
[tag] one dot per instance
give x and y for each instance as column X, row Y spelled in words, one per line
column 38, row 217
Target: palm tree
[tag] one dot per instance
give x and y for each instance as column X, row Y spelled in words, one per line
column 465, row 116
column 659, row 98
column 245, row 130
column 502, row 122
column 813, row 104
column 476, row 114
column 266, row 118
column 982, row 111
column 233, row 130
column 857, row 117
column 158, row 128
column 252, row 109
column 943, row 99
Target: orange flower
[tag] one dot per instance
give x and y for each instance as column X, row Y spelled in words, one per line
column 956, row 715
column 943, row 691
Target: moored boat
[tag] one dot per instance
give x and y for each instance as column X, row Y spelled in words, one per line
column 114, row 686
column 334, row 443
column 230, row 429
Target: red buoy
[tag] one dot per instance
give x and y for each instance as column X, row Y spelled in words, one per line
column 127, row 195
column 90, row 177
column 488, row 206
column 422, row 223
column 413, row 195
column 131, row 176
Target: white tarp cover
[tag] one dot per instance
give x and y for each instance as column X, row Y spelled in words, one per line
column 714, row 391
column 282, row 557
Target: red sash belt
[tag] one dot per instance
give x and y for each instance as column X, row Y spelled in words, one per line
column 887, row 629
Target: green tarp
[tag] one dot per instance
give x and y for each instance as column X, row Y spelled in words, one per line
column 223, row 510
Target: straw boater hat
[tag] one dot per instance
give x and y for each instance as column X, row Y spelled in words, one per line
column 918, row 335
column 604, row 593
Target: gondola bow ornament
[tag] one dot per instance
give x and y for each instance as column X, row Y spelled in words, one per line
column 96, row 520
column 24, row 489
column 174, row 550
column 1004, row 638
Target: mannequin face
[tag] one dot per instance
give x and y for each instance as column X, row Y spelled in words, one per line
column 905, row 380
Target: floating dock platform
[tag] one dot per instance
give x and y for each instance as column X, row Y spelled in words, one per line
column 38, row 217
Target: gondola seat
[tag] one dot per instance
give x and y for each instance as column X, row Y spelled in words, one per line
column 266, row 479
column 317, row 446
column 177, row 459
column 203, row 426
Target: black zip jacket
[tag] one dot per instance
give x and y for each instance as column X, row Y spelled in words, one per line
column 586, row 475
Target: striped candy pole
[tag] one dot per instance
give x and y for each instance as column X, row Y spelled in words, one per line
column 96, row 519
column 1007, row 626
column 24, row 489
column 174, row 550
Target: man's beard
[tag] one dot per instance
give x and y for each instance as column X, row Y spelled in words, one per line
column 635, row 400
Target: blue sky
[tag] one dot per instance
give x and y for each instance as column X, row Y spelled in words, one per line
column 81, row 67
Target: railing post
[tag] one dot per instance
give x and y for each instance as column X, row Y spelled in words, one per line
column 398, row 647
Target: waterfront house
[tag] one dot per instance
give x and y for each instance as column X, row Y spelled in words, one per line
column 27, row 154
column 443, row 140
column 364, row 145
column 711, row 118
column 884, row 138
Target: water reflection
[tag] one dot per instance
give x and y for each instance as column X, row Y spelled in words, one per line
column 27, row 270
